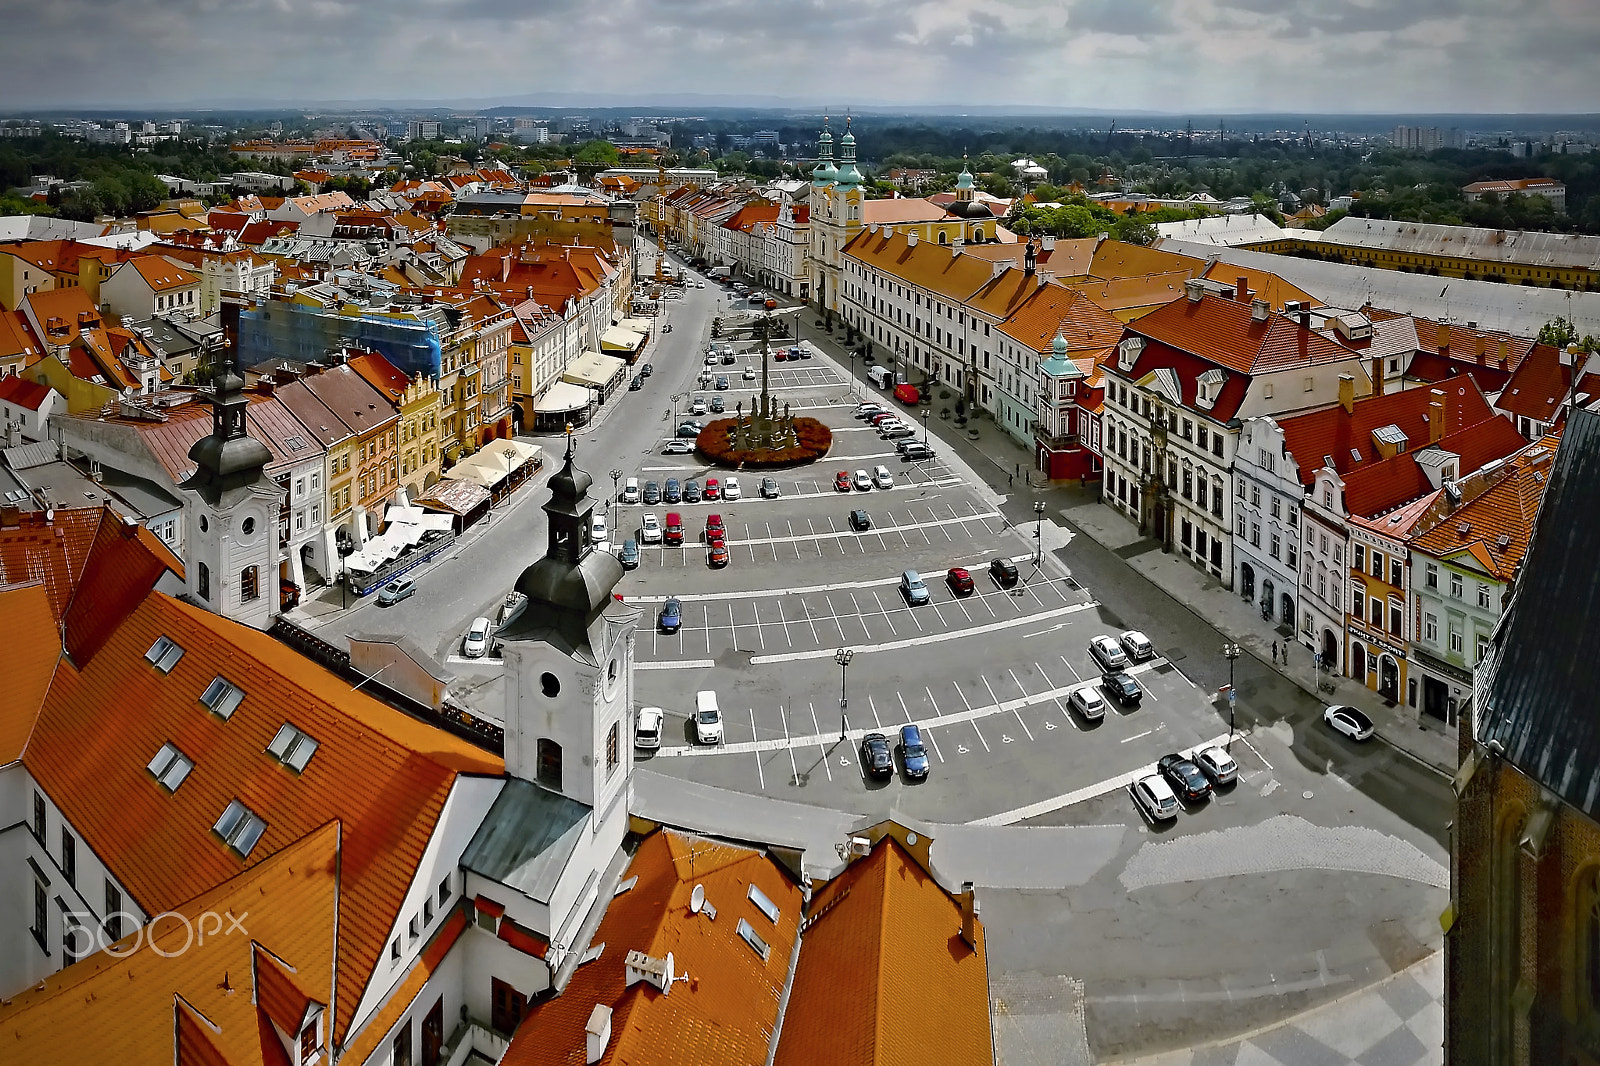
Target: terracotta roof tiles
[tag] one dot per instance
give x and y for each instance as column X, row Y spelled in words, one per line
column 1224, row 332
column 33, row 650
column 1497, row 526
column 1333, row 432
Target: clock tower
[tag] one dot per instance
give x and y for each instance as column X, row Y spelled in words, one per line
column 232, row 514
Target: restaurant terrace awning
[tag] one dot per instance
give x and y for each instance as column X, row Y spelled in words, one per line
column 593, row 369
column 617, row 339
column 563, row 398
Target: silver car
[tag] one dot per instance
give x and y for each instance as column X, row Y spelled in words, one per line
column 1155, row 798
column 1108, row 653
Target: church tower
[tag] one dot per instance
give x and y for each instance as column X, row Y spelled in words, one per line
column 836, row 197
column 232, row 520
column 569, row 664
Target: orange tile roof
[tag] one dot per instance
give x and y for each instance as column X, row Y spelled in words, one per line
column 1380, row 488
column 382, row 774
column 727, row 1009
column 376, row 1027
column 51, row 551
column 884, row 976
column 1507, row 509
column 1119, row 259
column 900, row 210
column 1054, row 308
column 16, row 339
column 1148, row 290
column 35, row 649
column 125, row 562
column 106, row 1009
column 935, row 267
column 1224, row 332
column 1267, row 286
column 162, row 275
column 381, row 374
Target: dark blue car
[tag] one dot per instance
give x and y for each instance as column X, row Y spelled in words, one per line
column 671, row 615
column 913, row 756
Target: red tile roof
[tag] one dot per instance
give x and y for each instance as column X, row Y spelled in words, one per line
column 23, row 392
column 1507, row 509
column 52, row 551
column 1225, row 333
column 1382, row 487
column 1538, row 387
column 725, row 1012
column 1331, row 432
column 33, row 650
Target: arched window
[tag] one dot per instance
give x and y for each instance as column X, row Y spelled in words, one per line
column 944, row 238
column 1589, row 919
column 548, row 770
column 249, row 584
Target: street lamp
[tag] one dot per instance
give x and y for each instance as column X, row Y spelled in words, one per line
column 616, row 476
column 1231, row 652
column 346, row 548
column 925, row 412
column 1038, row 533
column 843, row 657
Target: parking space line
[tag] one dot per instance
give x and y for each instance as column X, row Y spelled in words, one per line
column 706, row 619
column 756, row 613
column 1075, row 675
column 793, row 766
column 873, row 704
column 836, row 619
column 1035, row 595
column 928, row 733
column 1015, row 710
column 818, row 727
column 785, row 622
column 1050, row 687
column 762, row 774
column 884, row 612
column 943, row 528
column 978, row 731
column 924, row 640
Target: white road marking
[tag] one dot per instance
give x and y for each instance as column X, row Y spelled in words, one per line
column 1100, row 788
column 836, row 534
column 1252, row 747
column 1136, row 736
column 1014, row 710
column 873, row 704
column 794, row 767
column 818, row 727
column 924, row 639
column 676, row 664
column 762, row 774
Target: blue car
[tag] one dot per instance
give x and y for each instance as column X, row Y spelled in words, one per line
column 671, row 615
column 629, row 556
column 673, row 492
column 913, row 756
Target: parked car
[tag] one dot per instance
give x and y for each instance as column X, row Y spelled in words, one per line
column 1218, row 765
column 913, row 588
column 913, row 755
column 635, row 384
column 868, row 409
column 722, row 383
column 959, row 579
column 779, row 356
column 713, row 489
column 646, row 369
column 650, row 529
column 1186, row 779
column 673, row 534
column 647, row 728
column 707, row 718
column 1087, row 701
column 630, row 490
column 862, row 481
column 1003, row 571
column 717, row 406
column 477, row 643
column 628, row 556
column 671, row 616
column 727, row 360
column 915, row 452
column 893, row 430
column 711, row 360
column 717, row 555
column 678, row 447
column 881, row 416
column 730, row 489
column 1155, row 798
column 749, row 373
column 876, row 758
column 395, row 591
column 841, row 481
column 674, row 491
column 769, row 488
column 599, row 535
column 881, row 478
column 1137, row 645
column 1108, row 653
column 714, row 525
column 691, row 491
column 1121, row 686
column 860, row 521
column 689, row 431
column 1349, row 721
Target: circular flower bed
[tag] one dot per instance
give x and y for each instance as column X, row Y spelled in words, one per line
column 715, row 445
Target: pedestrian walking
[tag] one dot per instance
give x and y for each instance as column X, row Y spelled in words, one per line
column 1274, row 653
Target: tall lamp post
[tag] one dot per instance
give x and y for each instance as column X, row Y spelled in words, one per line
column 346, row 548
column 1231, row 653
column 925, row 412
column 616, row 476
column 843, row 657
column 1038, row 533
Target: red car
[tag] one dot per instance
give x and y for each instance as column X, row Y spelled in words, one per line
column 881, row 416
column 841, row 481
column 778, row 356
column 713, row 489
column 960, row 580
column 718, row 555
column 713, row 522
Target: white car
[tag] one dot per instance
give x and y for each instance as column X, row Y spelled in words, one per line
column 1137, row 645
column 1108, row 653
column 1217, row 764
column 711, row 360
column 749, row 373
column 891, row 430
column 630, row 490
column 477, row 643
column 698, row 407
column 649, row 530
column 707, row 718
column 1087, row 701
column 1155, row 798
column 730, row 489
column 862, row 481
column 1349, row 721
column 647, row 730
column 678, row 447
column 599, row 535
column 882, row 478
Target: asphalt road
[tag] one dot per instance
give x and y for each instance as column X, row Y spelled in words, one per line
column 1317, row 873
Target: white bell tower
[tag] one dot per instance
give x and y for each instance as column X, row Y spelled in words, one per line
column 569, row 665
column 232, row 517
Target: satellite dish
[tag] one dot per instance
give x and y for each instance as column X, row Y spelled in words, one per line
column 697, row 899
column 671, row 972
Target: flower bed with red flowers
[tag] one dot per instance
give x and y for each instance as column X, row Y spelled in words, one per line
column 715, row 445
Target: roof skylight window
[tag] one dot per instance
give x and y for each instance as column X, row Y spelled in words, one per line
column 222, row 697
column 748, row 932
column 240, row 827
column 170, row 767
column 763, row 904
column 164, row 654
column 292, row 747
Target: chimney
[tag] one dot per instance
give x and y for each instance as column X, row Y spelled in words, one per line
column 641, row 967
column 1305, row 315
column 1241, row 289
column 911, row 239
column 1482, row 345
column 1193, row 290
column 1046, row 276
column 969, row 915
column 1259, row 310
column 264, row 386
column 597, row 1034
column 957, row 245
column 1377, row 375
column 1444, row 339
column 1436, row 417
column 1047, row 243
column 1030, row 258
column 1347, row 393
column 998, row 267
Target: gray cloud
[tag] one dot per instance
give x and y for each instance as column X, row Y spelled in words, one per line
column 1325, row 55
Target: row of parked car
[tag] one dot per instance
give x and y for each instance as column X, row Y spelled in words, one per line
column 890, row 425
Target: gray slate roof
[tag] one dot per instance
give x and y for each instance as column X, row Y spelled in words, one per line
column 527, row 838
column 1535, row 689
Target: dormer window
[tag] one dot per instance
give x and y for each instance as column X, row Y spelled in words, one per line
column 1208, row 386
column 311, row 1040
column 1128, row 352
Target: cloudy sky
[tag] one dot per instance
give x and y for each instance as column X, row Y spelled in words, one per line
column 1119, row 55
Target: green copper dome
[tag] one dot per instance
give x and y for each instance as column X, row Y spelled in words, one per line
column 1058, row 365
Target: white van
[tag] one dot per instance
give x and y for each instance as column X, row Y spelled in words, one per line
column 630, row 490
column 707, row 718
column 879, row 376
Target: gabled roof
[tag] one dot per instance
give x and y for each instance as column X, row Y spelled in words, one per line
column 1497, row 526
column 1333, row 432
column 1382, row 487
column 884, row 977
column 108, row 1009
column 1225, row 332
column 726, row 1010
column 1538, row 387
column 894, row 212
column 49, row 551
column 33, row 648
column 925, row 264
column 1053, row 309
column 1146, row 290
column 22, row 392
column 381, row 374
column 382, row 774
column 16, row 339
column 1537, row 683
column 1119, row 259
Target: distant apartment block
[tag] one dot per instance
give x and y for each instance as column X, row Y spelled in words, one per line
column 1549, row 188
column 529, row 131
column 1427, row 138
column 422, row 130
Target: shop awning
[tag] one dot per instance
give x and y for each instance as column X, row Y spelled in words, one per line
column 496, row 462
column 617, row 339
column 640, row 326
column 593, row 369
column 563, row 398
column 455, row 496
